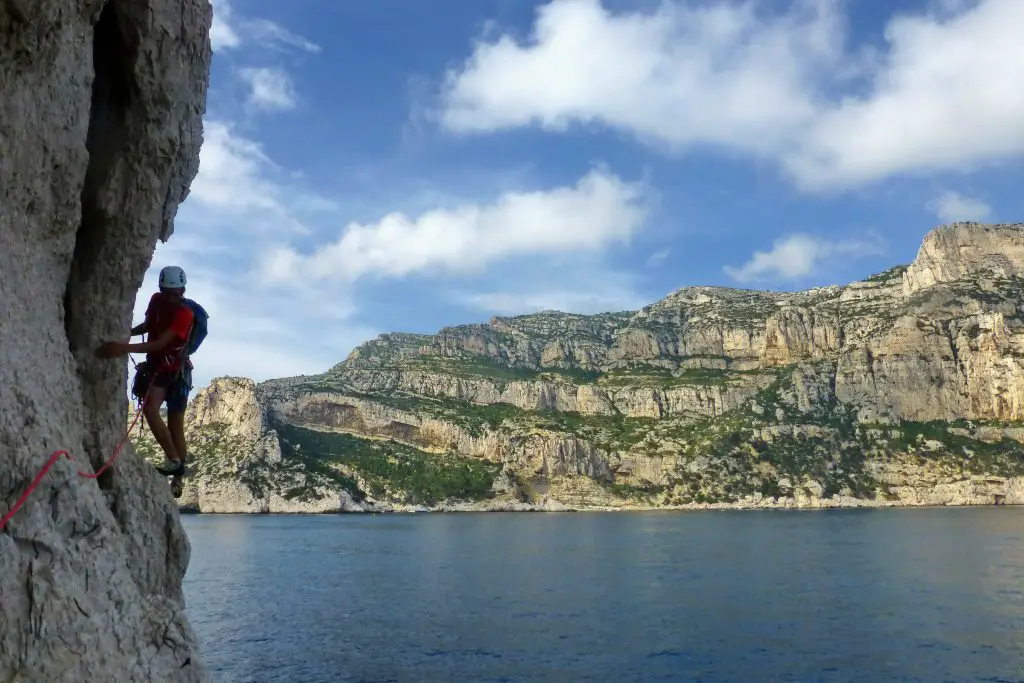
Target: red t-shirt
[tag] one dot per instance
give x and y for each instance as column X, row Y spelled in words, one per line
column 163, row 313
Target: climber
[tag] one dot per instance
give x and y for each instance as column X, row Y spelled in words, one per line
column 167, row 370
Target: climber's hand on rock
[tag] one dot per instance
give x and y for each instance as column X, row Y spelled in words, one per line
column 111, row 349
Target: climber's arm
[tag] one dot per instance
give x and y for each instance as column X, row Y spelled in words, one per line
column 157, row 344
column 119, row 348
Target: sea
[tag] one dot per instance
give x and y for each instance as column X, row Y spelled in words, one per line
column 891, row 595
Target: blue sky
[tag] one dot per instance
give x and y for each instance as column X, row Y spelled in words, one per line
column 401, row 166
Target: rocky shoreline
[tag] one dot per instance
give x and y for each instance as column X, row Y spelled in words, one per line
column 691, row 507
column 966, row 493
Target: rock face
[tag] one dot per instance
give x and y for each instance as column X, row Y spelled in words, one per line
column 100, row 126
column 904, row 389
column 965, row 249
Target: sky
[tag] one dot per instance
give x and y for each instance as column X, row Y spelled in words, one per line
column 397, row 165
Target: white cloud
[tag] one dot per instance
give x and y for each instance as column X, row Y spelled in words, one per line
column 951, row 207
column 797, row 256
column 680, row 75
column 269, row 89
column 270, row 34
column 222, row 35
column 949, row 7
column 951, row 94
column 229, row 31
column 565, row 301
column 231, row 171
column 242, row 190
column 658, row 257
column 599, row 210
column 948, row 92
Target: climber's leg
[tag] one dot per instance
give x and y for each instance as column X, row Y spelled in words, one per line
column 176, row 425
column 174, row 464
column 156, row 423
column 177, row 401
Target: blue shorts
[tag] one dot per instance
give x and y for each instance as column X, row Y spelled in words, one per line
column 177, row 386
column 177, row 396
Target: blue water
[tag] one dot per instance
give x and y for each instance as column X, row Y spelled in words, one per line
column 861, row 595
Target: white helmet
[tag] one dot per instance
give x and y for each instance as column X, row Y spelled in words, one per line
column 172, row 277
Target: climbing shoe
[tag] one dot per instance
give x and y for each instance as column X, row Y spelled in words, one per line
column 171, row 468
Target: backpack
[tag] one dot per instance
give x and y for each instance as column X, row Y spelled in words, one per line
column 198, row 332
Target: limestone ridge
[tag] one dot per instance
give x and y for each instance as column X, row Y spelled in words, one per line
column 100, row 125
column 964, row 250
column 906, row 388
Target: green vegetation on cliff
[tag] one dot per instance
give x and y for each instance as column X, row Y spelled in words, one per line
column 215, row 456
column 647, row 375
column 390, row 469
column 947, row 443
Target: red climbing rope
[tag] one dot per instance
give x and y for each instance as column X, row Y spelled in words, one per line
column 31, row 487
column 124, row 439
column 88, row 475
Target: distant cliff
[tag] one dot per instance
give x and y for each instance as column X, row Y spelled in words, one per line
column 903, row 389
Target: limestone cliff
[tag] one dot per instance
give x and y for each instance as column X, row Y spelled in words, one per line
column 903, row 389
column 101, row 110
column 966, row 250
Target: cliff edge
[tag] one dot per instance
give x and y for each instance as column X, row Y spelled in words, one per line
column 966, row 250
column 101, row 106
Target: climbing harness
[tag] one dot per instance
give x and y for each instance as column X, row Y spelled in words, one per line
column 63, row 453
